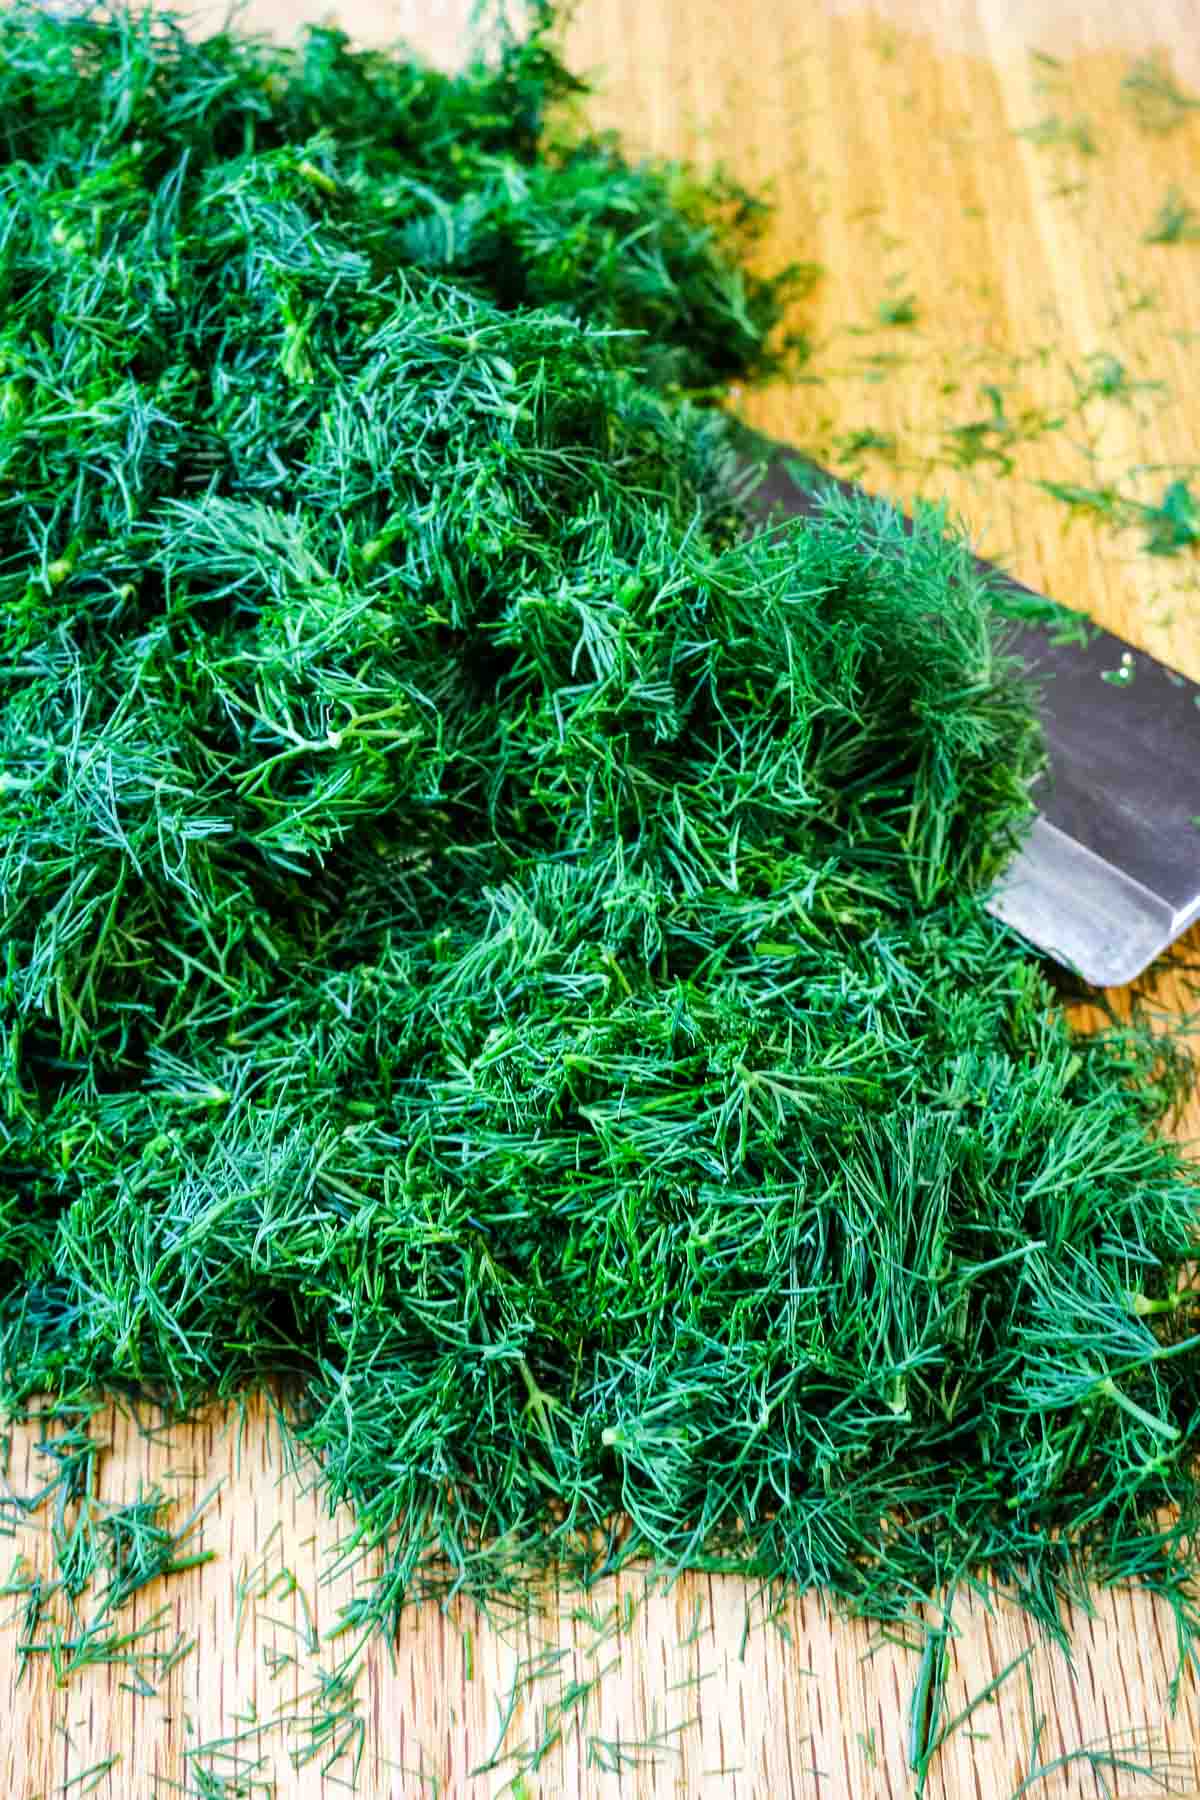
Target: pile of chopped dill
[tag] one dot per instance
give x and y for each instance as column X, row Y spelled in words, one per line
column 493, row 949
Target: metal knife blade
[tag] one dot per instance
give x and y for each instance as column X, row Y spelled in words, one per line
column 1109, row 875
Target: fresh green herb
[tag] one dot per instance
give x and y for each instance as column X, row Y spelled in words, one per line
column 135, row 1546
column 1108, row 378
column 994, row 437
column 329, row 1726
column 1142, row 1753
column 852, row 446
column 1155, row 98
column 937, row 1735
column 1105, row 502
column 1174, row 524
column 493, row 948
column 1074, row 134
column 898, row 309
column 88, row 1780
column 612, row 1756
column 232, row 1767
column 1177, row 221
column 925, row 1708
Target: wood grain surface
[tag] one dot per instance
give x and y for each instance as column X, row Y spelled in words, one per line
column 917, row 149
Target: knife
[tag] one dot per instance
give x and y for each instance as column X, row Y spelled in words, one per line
column 1108, row 876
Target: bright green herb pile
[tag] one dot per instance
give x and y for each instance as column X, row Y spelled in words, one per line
column 487, row 943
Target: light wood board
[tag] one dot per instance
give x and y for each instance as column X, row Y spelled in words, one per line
column 892, row 140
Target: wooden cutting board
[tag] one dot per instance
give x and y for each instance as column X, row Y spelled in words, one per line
column 916, row 150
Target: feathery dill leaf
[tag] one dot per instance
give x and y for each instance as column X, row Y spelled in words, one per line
column 490, row 946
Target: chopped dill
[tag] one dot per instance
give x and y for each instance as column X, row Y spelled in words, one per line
column 494, row 951
column 1153, row 95
column 898, row 309
column 1140, row 1752
column 1108, row 378
column 1176, row 222
column 1104, row 502
column 88, row 1780
column 1055, row 132
column 851, row 446
column 1173, row 524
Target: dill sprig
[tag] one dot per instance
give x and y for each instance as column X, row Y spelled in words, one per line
column 493, row 949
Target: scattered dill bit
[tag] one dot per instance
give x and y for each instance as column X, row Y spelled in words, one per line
column 252, row 1582
column 233, row 1767
column 1140, row 1752
column 1105, row 502
column 1073, row 134
column 99, row 1643
column 612, row 1756
column 1175, row 523
column 1133, row 300
column 935, row 1739
column 692, row 1681
column 898, row 309
column 1108, row 378
column 136, row 1547
column 1176, row 222
column 1157, row 101
column 330, row 1728
column 991, row 439
column 125, row 1546
column 88, row 1780
column 697, row 1625
column 925, row 1707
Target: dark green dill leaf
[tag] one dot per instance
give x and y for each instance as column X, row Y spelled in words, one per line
column 925, row 1707
column 493, row 949
column 985, row 1694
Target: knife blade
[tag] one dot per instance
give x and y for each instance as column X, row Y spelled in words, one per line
column 1108, row 877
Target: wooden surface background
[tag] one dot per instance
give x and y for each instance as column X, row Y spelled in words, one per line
column 898, row 144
